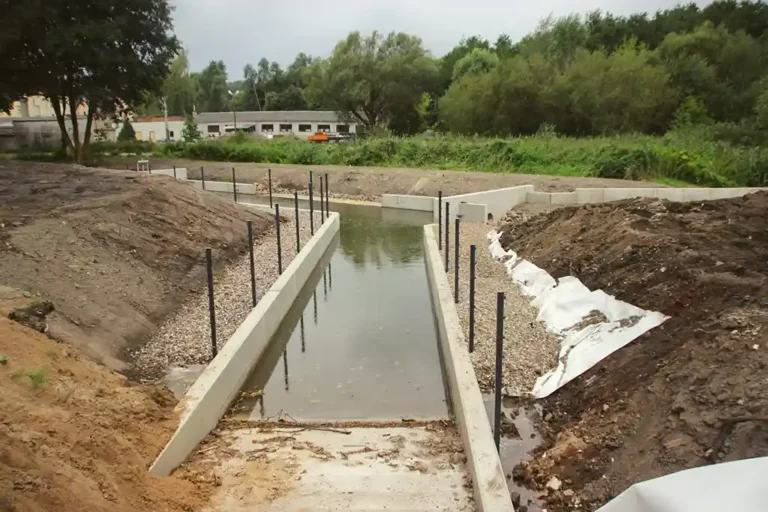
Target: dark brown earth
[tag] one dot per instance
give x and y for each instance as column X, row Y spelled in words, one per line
column 368, row 183
column 113, row 252
column 689, row 393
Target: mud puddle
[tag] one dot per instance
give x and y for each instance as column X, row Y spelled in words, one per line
column 519, row 438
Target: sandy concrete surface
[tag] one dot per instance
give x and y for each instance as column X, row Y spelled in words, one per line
column 330, row 469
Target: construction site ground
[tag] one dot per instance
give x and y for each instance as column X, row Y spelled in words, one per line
column 369, row 183
column 283, row 467
column 91, row 262
column 686, row 394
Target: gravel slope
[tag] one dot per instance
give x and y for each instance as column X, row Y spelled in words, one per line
column 184, row 338
column 529, row 350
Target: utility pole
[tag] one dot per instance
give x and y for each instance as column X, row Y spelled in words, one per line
column 165, row 114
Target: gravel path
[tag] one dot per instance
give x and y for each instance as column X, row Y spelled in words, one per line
column 529, row 350
column 184, row 338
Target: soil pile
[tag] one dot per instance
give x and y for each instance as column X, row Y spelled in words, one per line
column 77, row 436
column 114, row 251
column 686, row 394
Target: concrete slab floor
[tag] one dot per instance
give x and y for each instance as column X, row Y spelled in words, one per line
column 297, row 469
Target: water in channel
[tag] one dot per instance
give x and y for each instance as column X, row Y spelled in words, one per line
column 360, row 342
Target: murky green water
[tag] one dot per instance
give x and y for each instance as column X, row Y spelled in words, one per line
column 360, row 342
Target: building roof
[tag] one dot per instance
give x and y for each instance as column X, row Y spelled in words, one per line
column 270, row 116
column 156, row 119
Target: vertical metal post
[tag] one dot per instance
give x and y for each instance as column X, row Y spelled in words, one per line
column 296, row 213
column 456, row 262
column 311, row 208
column 447, row 233
column 499, row 355
column 327, row 197
column 440, row 219
column 472, row 251
column 211, row 306
column 330, row 277
column 314, row 302
column 253, row 268
column 234, row 184
column 149, row 166
column 269, row 180
column 174, row 171
column 202, row 176
column 279, row 247
column 322, row 196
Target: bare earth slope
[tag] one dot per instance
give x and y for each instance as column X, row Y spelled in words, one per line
column 114, row 251
column 77, row 436
column 690, row 393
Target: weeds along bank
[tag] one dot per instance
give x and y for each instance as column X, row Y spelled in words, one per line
column 677, row 157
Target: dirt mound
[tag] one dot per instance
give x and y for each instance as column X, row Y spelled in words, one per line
column 686, row 394
column 114, row 251
column 77, row 436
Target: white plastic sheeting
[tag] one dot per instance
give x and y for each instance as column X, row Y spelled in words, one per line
column 562, row 305
column 737, row 486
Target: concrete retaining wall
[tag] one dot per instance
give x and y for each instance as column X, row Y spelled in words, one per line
column 181, row 173
column 490, row 486
column 224, row 186
column 210, row 395
column 420, row 203
column 497, row 202
column 473, row 212
column 494, row 204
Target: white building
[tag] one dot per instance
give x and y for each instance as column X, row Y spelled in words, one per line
column 152, row 128
column 299, row 123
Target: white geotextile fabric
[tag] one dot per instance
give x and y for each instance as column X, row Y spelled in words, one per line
column 734, row 486
column 562, row 305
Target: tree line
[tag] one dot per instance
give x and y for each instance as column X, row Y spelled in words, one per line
column 578, row 75
column 575, row 75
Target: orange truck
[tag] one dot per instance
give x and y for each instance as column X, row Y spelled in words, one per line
column 327, row 137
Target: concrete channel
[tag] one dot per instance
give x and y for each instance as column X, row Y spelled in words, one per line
column 352, row 372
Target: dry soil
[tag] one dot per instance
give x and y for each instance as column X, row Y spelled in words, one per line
column 113, row 251
column 368, row 183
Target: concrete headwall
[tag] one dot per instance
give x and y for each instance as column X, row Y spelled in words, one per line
column 210, row 395
column 489, row 485
column 497, row 202
column 420, row 203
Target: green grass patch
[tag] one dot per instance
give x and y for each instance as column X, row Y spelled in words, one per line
column 676, row 159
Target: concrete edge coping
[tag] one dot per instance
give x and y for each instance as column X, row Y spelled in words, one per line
column 488, row 481
column 331, row 200
column 211, row 394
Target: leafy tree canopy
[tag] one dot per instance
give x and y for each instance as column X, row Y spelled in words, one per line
column 367, row 78
column 106, row 54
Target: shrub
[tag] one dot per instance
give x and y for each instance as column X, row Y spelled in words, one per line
column 127, row 133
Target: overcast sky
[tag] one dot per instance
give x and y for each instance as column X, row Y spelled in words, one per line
column 243, row 31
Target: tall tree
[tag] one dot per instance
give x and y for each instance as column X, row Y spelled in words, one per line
column 212, row 95
column 247, row 98
column 179, row 87
column 368, row 78
column 477, row 62
column 106, row 54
